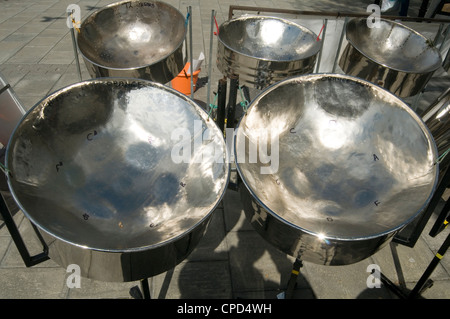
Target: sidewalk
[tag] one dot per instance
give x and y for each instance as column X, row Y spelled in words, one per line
column 232, row 260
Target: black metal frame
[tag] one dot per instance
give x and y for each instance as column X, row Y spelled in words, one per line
column 27, row 258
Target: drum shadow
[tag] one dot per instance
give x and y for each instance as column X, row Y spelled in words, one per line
column 259, row 270
column 235, row 262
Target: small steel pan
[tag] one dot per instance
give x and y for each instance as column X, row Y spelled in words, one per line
column 333, row 167
column 138, row 39
column 392, row 55
column 265, row 50
column 97, row 167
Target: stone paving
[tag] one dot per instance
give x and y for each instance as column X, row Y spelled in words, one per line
column 232, row 260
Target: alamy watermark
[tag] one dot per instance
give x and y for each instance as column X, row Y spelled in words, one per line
column 373, row 21
column 73, row 20
column 263, row 147
column 374, row 279
column 74, row 279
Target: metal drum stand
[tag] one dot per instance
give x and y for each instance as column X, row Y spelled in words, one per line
column 440, row 224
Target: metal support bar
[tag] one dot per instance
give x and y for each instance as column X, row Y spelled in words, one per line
column 339, row 45
column 411, row 240
column 446, row 63
column 145, row 288
column 211, row 38
column 232, row 98
column 75, row 48
column 404, row 6
column 437, row 37
column 423, row 8
column 221, row 103
column 6, row 87
column 246, row 93
column 445, row 35
column 431, row 267
column 18, row 240
column 191, row 45
column 293, row 279
column 442, row 221
column 319, row 58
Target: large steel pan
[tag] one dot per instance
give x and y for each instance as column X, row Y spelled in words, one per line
column 138, row 39
column 264, row 50
column 97, row 167
column 391, row 55
column 341, row 166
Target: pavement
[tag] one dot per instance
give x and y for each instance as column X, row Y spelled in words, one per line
column 232, row 261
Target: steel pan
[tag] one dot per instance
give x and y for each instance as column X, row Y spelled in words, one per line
column 333, row 167
column 138, row 39
column 95, row 166
column 265, row 50
column 392, row 55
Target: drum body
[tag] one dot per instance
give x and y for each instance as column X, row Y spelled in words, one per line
column 136, row 39
column 121, row 175
column 265, row 50
column 391, row 55
column 333, row 167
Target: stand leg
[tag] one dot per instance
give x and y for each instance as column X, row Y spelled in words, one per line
column 423, row 8
column 436, row 260
column 293, row 280
column 145, row 288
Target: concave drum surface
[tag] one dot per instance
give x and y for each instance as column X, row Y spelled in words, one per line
column 122, row 175
column 333, row 167
column 138, row 39
column 391, row 55
column 265, row 50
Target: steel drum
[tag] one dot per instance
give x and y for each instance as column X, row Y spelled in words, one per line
column 392, row 55
column 265, row 50
column 122, row 175
column 138, row 39
column 333, row 167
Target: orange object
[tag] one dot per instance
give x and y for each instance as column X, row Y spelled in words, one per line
column 182, row 82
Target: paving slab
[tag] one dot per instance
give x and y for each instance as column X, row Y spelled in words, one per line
column 32, row 283
column 194, row 280
column 342, row 282
column 255, row 264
